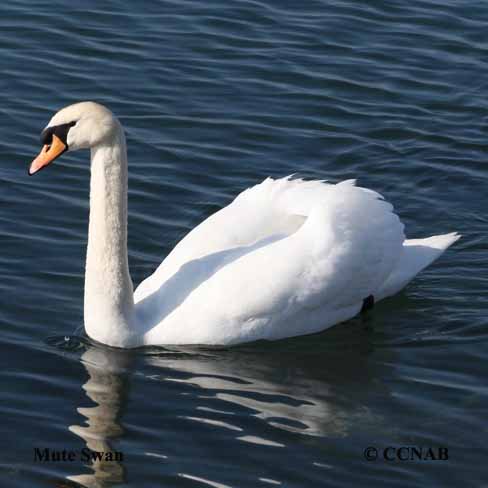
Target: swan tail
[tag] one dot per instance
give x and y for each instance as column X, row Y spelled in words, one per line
column 416, row 255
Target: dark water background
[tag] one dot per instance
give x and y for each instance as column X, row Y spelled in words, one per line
column 215, row 96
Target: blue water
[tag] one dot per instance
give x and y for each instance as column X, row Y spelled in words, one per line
column 215, row 96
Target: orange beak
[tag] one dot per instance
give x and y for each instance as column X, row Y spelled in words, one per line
column 48, row 154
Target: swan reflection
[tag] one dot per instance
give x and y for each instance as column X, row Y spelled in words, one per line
column 305, row 392
column 107, row 387
column 261, row 395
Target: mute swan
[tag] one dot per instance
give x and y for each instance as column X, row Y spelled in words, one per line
column 287, row 257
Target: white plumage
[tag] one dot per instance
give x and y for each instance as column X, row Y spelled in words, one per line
column 287, row 257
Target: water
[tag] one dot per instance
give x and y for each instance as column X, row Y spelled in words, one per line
column 215, row 96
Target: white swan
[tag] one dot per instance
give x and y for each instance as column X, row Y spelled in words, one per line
column 287, row 257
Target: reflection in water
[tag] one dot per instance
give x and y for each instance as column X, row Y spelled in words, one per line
column 261, row 395
column 304, row 390
column 107, row 386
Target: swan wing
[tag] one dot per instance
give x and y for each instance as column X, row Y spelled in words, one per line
column 297, row 283
column 271, row 208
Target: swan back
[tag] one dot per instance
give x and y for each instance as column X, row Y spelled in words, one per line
column 347, row 242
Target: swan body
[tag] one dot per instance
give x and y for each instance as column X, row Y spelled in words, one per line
column 287, row 257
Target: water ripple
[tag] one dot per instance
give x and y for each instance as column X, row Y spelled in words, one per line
column 214, row 97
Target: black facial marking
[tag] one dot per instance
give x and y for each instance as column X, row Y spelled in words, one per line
column 61, row 132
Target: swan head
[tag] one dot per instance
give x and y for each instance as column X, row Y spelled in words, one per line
column 79, row 126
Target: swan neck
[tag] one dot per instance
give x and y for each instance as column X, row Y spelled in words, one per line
column 108, row 286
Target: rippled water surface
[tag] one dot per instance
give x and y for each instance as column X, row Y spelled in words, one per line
column 214, row 97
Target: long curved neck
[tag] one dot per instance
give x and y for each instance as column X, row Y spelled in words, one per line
column 108, row 287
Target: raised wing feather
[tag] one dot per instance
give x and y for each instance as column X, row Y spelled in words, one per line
column 272, row 208
column 321, row 272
